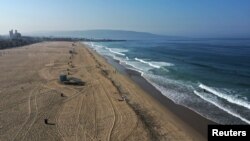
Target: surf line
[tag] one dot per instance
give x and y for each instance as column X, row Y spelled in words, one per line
column 228, row 98
column 221, row 107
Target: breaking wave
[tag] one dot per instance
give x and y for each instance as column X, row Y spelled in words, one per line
column 117, row 51
column 228, row 98
column 213, row 101
column 154, row 64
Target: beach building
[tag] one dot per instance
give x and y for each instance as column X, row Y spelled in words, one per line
column 14, row 35
column 63, row 78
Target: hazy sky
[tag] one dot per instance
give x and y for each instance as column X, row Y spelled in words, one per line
column 171, row 17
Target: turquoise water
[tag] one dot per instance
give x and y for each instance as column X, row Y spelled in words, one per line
column 209, row 76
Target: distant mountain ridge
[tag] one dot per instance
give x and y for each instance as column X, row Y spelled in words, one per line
column 105, row 34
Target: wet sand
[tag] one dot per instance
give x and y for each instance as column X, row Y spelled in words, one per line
column 191, row 118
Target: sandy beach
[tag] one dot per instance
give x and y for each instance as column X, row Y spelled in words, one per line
column 114, row 104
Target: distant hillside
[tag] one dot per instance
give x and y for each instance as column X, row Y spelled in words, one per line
column 105, row 34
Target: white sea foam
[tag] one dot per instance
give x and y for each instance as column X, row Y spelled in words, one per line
column 141, row 72
column 177, row 94
column 133, row 65
column 153, row 63
column 173, row 89
column 181, row 97
column 120, row 50
column 118, row 54
column 117, row 51
column 121, row 60
column 202, row 96
column 161, row 64
column 229, row 98
column 145, row 62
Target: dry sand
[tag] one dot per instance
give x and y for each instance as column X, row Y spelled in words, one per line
column 30, row 92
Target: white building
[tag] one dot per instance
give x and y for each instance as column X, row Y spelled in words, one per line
column 15, row 35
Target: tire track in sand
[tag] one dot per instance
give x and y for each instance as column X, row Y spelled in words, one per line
column 87, row 117
column 121, row 115
column 112, row 105
column 78, row 118
column 31, row 119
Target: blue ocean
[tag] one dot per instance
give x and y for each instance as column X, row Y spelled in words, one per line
column 208, row 76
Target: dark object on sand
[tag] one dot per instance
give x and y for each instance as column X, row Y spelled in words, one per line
column 62, row 95
column 63, row 77
column 70, row 80
column 46, row 121
column 205, row 91
column 123, row 98
column 72, row 51
column 74, row 81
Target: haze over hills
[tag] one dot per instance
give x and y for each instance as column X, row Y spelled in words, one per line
column 104, row 34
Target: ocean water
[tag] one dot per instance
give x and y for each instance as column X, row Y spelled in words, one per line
column 208, row 76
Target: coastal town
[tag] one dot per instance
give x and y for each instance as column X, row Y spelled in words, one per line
column 15, row 39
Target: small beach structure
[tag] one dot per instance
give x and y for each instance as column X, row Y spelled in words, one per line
column 64, row 79
column 74, row 81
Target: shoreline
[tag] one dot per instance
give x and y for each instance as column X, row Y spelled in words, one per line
column 191, row 118
column 110, row 106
